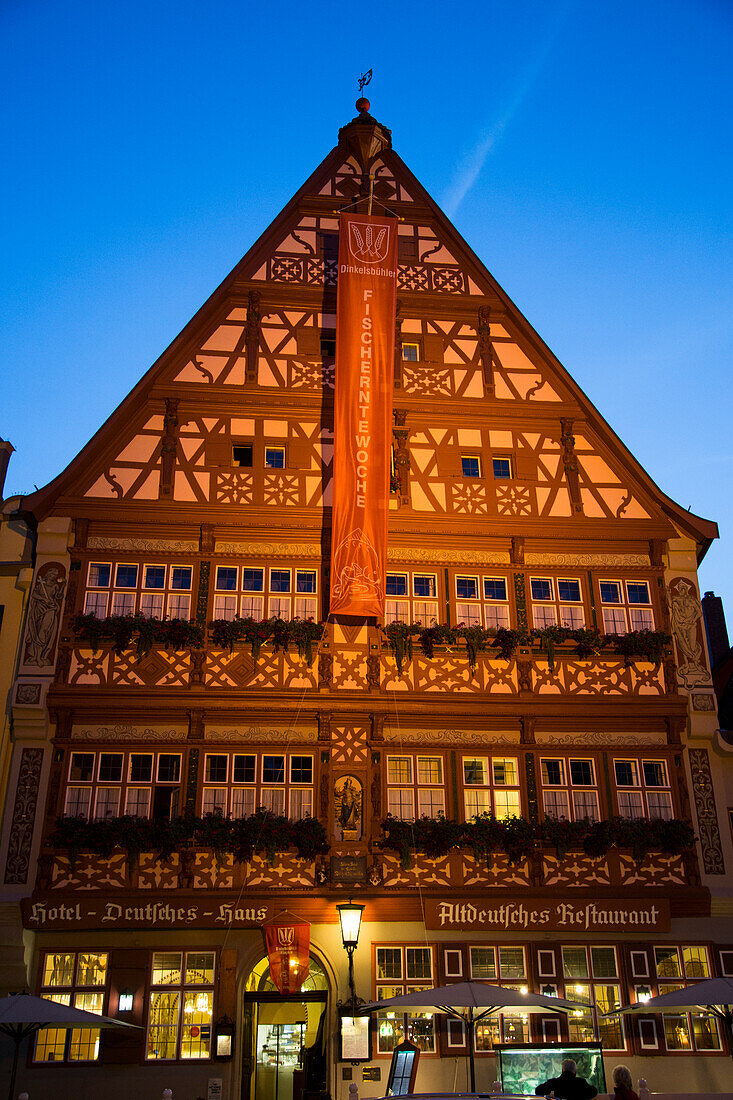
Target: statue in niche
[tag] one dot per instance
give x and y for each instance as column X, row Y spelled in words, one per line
column 686, row 613
column 44, row 614
column 348, row 805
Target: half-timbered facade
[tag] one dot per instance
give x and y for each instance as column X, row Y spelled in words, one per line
column 525, row 532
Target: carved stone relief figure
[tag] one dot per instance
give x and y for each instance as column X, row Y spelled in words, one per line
column 686, row 614
column 44, row 614
column 348, row 807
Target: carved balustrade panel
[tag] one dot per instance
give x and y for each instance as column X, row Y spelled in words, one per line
column 498, row 872
column 213, row 871
column 423, row 872
column 89, row 872
column 655, row 870
column 286, row 871
column 574, row 870
column 154, row 874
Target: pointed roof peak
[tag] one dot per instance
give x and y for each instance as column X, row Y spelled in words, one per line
column 364, row 136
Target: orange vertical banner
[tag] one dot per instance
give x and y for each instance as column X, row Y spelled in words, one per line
column 365, row 325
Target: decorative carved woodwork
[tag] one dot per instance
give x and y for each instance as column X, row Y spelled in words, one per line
column 570, row 462
column 44, row 615
column 516, row 554
column 22, row 823
column 485, row 348
column 253, row 333
column 705, row 809
column 169, row 447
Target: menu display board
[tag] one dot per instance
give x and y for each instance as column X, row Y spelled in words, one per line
column 403, row 1070
column 355, row 1039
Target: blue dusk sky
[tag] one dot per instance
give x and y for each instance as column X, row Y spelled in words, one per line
column 582, row 147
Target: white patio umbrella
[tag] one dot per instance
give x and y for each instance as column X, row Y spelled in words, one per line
column 713, row 995
column 22, row 1015
column 472, row 1002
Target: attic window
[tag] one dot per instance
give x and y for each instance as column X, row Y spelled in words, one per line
column 328, row 245
column 328, row 343
column 502, row 467
column 242, row 455
column 410, row 352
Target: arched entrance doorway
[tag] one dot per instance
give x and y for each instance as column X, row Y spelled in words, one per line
column 285, row 1037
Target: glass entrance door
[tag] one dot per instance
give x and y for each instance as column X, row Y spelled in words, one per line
column 288, row 1046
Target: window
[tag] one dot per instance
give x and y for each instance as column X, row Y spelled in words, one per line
column 557, row 601
column 496, row 603
column 502, row 966
column 695, row 1029
column 107, row 784
column 78, row 979
column 569, row 789
column 415, row 787
column 154, row 590
column 181, row 1006
column 403, row 969
column 253, row 592
column 411, row 598
column 643, row 788
column 242, row 455
column 626, row 606
column 237, row 784
column 274, row 458
column 471, row 465
column 491, row 786
column 502, row 467
column 592, row 979
column 468, row 605
column 410, row 351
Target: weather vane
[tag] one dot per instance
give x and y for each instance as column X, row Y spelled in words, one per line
column 364, row 79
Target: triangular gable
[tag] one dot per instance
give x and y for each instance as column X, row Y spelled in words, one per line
column 123, row 460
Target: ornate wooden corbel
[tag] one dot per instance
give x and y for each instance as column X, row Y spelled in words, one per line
column 570, row 462
column 486, row 349
column 402, row 455
column 169, row 447
column 398, row 346
column 253, row 331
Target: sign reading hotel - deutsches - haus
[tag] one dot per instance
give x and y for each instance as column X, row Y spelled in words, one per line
column 53, row 914
column 552, row 916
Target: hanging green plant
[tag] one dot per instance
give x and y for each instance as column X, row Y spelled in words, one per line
column 436, row 634
column 399, row 636
column 507, row 641
column 476, row 640
column 261, row 832
column 120, row 630
column 644, row 645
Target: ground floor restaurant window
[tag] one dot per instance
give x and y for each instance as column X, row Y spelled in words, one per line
column 403, row 970
column 675, row 966
column 77, row 978
column 592, row 979
column 181, row 1005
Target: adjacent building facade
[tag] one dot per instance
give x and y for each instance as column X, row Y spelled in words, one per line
column 206, row 498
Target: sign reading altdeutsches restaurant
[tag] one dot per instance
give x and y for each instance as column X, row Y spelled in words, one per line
column 552, row 916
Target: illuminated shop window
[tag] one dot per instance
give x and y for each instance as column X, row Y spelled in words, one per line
column 79, row 979
column 505, row 966
column 592, row 979
column 181, row 1006
column 398, row 970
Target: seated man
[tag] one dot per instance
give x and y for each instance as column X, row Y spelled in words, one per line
column 568, row 1086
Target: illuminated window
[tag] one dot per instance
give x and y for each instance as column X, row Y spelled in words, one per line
column 415, row 787
column 403, row 969
column 471, row 465
column 491, row 786
column 411, row 598
column 587, row 972
column 181, row 1006
column 77, row 978
column 237, row 784
column 569, row 789
column 107, row 784
column 275, row 458
column 154, row 590
column 557, row 601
